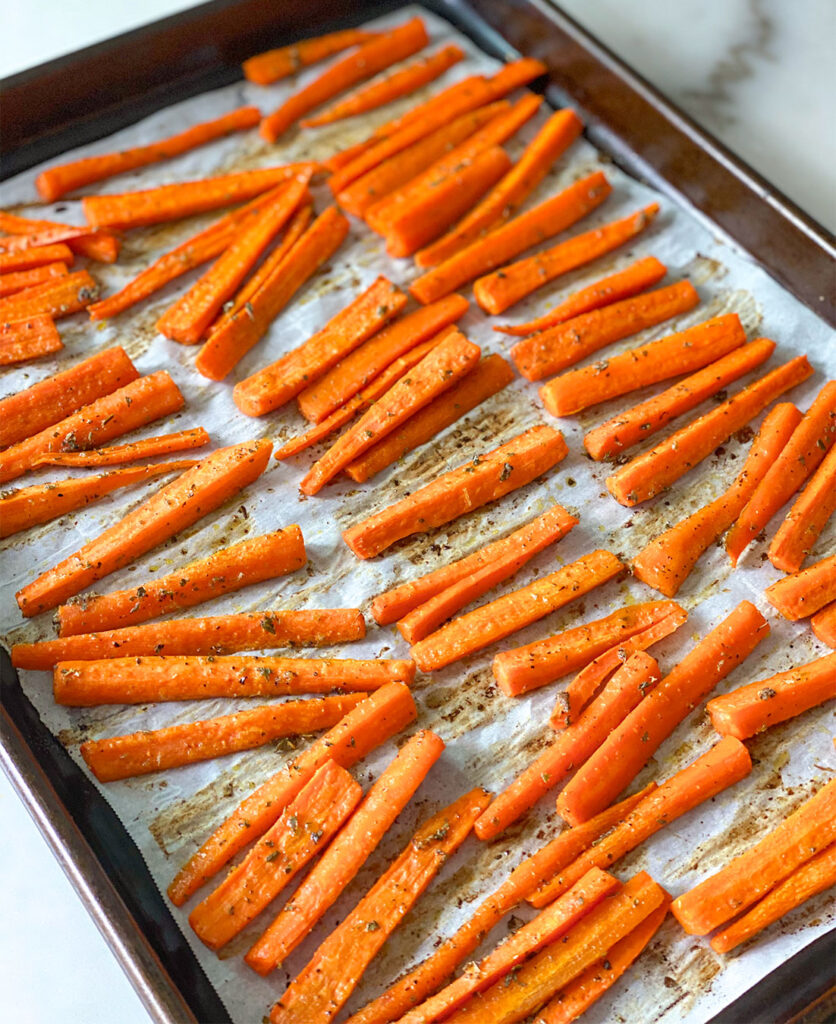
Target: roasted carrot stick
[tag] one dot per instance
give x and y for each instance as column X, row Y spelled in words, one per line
column 322, row 987
column 16, row 282
column 55, row 182
column 116, row 413
column 141, row 680
column 346, row 855
column 99, row 246
column 499, row 291
column 139, row 753
column 504, row 616
column 173, row 508
column 37, row 235
column 27, row 339
column 666, row 562
column 272, row 65
column 366, row 727
column 311, row 819
column 389, row 88
column 823, row 624
column 223, row 572
column 805, row 592
column 517, row 235
column 484, row 479
column 376, row 54
column 631, row 745
column 58, row 298
column 623, row 284
column 551, row 351
column 41, row 255
column 797, row 535
column 573, row 746
column 810, row 829
column 652, row 472
column 148, row 447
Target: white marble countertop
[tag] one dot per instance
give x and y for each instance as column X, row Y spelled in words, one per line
column 757, row 73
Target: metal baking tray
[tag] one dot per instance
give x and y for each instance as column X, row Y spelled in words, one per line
column 45, row 111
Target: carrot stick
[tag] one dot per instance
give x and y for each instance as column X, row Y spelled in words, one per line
column 631, row 744
column 375, row 720
column 346, row 855
column 553, row 139
column 752, row 708
column 148, row 447
column 228, row 345
column 527, row 229
column 55, row 182
column 141, row 680
column 16, row 282
column 666, row 562
column 326, row 982
column 186, row 198
column 28, row 339
column 60, row 297
column 43, row 404
column 376, row 54
column 37, row 237
column 805, row 592
column 573, row 746
column 512, row 612
column 810, row 829
column 498, row 562
column 437, row 372
column 140, row 753
column 37, row 257
column 311, row 819
column 99, row 246
column 461, row 490
column 522, row 669
column 797, row 535
column 623, row 284
column 29, row 506
column 652, row 472
column 223, row 572
column 175, row 507
column 817, row 875
column 823, row 624
column 273, row 65
column 116, row 413
column 389, row 88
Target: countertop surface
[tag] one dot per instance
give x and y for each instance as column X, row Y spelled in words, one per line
column 756, row 73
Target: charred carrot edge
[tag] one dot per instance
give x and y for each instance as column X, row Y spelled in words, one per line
column 223, row 572
column 148, row 447
column 345, row 856
column 810, row 829
column 623, row 284
column 37, row 257
column 99, row 246
column 512, row 612
column 115, row 414
column 573, row 746
column 666, row 562
column 313, row 817
column 797, row 535
column 376, row 54
column 173, row 508
column 140, row 753
column 58, row 298
column 55, row 182
column 652, row 472
column 264, row 68
column 634, row 742
column 460, row 490
column 28, row 339
column 17, row 281
column 142, row 680
column 366, row 727
column 823, row 624
column 805, row 592
column 325, row 983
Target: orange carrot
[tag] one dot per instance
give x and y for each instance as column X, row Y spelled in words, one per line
column 376, row 54
column 60, row 297
column 141, row 680
column 148, row 447
column 666, row 562
column 173, row 508
column 453, row 494
column 41, row 255
column 322, row 987
column 823, row 624
column 549, row 218
column 55, row 182
column 28, row 339
column 810, row 829
column 805, row 592
column 649, row 474
column 797, row 535
column 623, row 284
column 573, row 746
column 228, row 345
column 346, row 855
column 311, row 819
column 140, row 753
column 116, row 413
column 16, row 282
column 99, row 246
column 37, row 237
column 224, row 572
column 512, row 612
column 631, row 745
column 273, row 65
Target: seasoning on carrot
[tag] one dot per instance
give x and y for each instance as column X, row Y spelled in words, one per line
column 823, row 624
column 57, row 298
column 99, row 246
column 39, row 234
column 17, row 281
column 273, row 65
column 27, row 339
column 39, row 256
column 797, row 535
column 148, row 447
column 805, row 592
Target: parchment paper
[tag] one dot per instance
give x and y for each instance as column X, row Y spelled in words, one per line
column 489, row 737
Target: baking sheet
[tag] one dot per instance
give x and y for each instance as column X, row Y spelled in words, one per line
column 489, row 736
